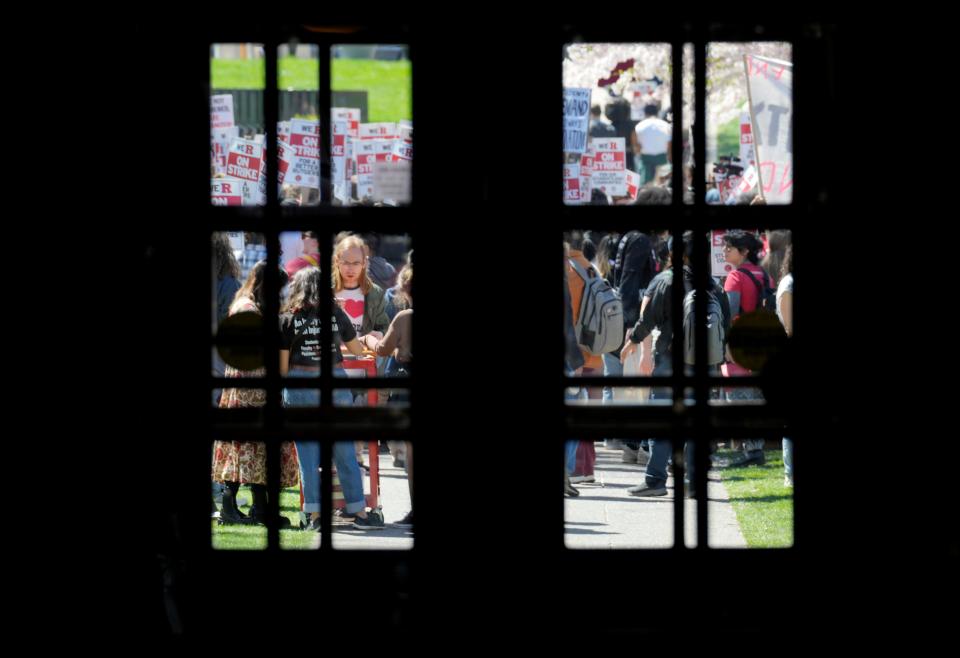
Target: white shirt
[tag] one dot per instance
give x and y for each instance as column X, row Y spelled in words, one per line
column 786, row 285
column 352, row 303
column 653, row 135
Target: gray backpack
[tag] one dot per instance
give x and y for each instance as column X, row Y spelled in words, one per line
column 600, row 326
column 715, row 329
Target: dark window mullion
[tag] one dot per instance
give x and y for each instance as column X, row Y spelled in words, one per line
column 324, row 106
column 700, row 261
column 676, row 230
column 271, row 310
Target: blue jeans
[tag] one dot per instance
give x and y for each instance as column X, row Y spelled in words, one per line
column 571, row 446
column 661, row 449
column 611, row 368
column 308, row 452
column 788, row 457
column 746, row 393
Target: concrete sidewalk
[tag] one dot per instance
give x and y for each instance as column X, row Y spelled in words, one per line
column 606, row 516
column 395, row 501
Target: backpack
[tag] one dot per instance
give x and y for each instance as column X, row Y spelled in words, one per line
column 767, row 297
column 599, row 324
column 716, row 332
column 635, row 267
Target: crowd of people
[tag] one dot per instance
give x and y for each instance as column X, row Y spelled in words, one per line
column 637, row 267
column 372, row 318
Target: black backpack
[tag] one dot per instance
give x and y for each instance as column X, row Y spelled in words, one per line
column 635, row 268
column 767, row 297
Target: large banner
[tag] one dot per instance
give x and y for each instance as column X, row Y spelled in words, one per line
column 770, row 87
column 746, row 140
column 576, row 119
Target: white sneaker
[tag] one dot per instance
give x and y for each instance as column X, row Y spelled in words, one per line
column 788, row 481
column 579, row 479
column 643, row 457
column 629, row 456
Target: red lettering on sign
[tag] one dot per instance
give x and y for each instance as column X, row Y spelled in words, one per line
column 761, row 69
column 784, row 183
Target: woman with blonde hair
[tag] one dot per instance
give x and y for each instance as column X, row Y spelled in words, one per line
column 362, row 300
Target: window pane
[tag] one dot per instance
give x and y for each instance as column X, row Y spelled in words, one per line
column 239, row 475
column 376, row 484
column 237, row 134
column 630, row 288
column 373, row 286
column 301, row 502
column 755, row 477
column 600, row 315
column 755, row 269
column 607, row 510
column 749, row 123
column 372, row 124
column 617, row 130
column 236, row 325
column 298, row 133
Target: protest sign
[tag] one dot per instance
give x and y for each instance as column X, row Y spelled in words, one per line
column 770, row 94
column 609, row 173
column 221, row 111
column 576, row 119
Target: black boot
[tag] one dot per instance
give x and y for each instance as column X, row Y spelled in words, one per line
column 258, row 512
column 230, row 513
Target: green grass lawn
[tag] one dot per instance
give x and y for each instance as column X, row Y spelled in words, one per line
column 238, row 537
column 763, row 505
column 387, row 83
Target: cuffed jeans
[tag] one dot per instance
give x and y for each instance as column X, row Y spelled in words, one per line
column 308, row 452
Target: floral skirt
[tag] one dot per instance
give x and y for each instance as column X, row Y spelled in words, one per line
column 246, row 461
